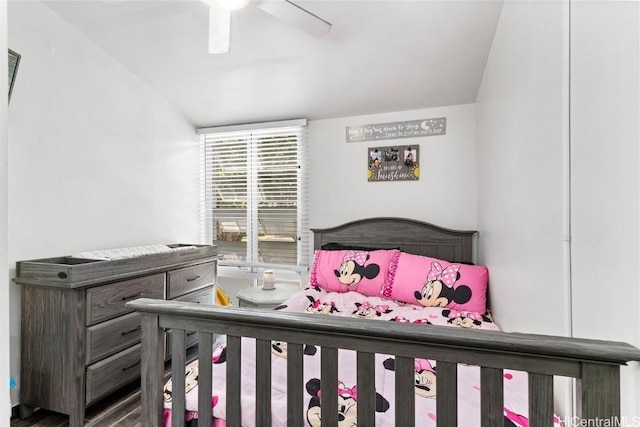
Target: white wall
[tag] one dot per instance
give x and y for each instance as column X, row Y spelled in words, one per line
column 522, row 197
column 605, row 164
column 445, row 193
column 520, row 171
column 523, row 164
column 5, row 411
column 97, row 159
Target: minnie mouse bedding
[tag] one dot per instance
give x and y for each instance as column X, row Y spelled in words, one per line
column 321, row 302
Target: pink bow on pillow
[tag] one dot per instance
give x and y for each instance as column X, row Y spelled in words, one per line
column 359, row 257
column 448, row 276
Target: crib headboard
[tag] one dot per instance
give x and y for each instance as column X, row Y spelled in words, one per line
column 408, row 235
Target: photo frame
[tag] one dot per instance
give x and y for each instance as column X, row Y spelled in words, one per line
column 393, row 163
column 14, row 62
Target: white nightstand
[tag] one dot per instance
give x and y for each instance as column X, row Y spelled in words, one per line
column 256, row 297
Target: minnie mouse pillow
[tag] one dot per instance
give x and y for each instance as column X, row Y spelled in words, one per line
column 433, row 282
column 352, row 270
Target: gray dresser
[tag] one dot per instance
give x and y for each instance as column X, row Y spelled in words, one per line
column 79, row 341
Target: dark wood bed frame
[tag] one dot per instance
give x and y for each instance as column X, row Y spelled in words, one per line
column 410, row 236
column 594, row 364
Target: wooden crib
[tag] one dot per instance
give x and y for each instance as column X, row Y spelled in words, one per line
column 594, row 364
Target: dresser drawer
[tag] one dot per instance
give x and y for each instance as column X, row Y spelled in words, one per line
column 112, row 372
column 110, row 337
column 189, row 279
column 203, row 296
column 107, row 301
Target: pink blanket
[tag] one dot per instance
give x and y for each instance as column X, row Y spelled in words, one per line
column 352, row 304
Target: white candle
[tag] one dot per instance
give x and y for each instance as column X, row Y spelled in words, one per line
column 268, row 280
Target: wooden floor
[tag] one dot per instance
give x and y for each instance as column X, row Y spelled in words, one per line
column 120, row 409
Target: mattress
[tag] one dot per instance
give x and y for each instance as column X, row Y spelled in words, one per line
column 320, row 303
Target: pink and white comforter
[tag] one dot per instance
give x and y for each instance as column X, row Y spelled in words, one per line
column 352, row 304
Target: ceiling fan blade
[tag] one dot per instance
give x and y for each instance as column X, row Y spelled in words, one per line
column 295, row 15
column 219, row 30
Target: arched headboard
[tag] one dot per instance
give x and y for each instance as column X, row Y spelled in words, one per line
column 408, row 235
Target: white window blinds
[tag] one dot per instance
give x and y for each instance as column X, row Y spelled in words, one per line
column 255, row 188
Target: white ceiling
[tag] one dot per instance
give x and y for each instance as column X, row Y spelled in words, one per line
column 379, row 56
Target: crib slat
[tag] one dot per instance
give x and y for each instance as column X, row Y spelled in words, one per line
column 178, row 363
column 405, row 391
column 204, row 379
column 540, row 400
column 294, row 385
column 329, row 386
column 233, row 411
column 152, row 370
column 446, row 394
column 598, row 391
column 366, row 389
column 263, row 382
column 491, row 397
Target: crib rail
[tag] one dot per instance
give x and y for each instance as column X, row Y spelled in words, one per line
column 595, row 364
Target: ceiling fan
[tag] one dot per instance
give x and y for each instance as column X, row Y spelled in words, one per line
column 287, row 11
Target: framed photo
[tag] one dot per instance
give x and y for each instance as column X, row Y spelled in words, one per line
column 396, row 163
column 14, row 62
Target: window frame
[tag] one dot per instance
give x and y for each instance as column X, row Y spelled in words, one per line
column 253, row 268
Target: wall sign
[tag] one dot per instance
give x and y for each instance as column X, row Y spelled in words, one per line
column 394, row 130
column 399, row 163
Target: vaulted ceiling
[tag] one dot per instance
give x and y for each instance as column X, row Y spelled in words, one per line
column 379, row 56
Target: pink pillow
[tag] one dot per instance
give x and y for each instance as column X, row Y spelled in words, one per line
column 433, row 282
column 352, row 270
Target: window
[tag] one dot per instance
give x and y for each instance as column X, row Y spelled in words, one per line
column 255, row 207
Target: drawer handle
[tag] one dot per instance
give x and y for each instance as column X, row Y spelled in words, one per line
column 131, row 366
column 131, row 331
column 139, row 294
column 192, row 279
